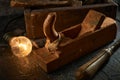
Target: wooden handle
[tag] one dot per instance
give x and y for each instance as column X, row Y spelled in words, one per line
column 49, row 28
column 88, row 70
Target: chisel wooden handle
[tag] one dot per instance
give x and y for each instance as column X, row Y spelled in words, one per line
column 88, row 70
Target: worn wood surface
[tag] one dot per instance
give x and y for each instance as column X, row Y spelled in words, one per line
column 36, row 3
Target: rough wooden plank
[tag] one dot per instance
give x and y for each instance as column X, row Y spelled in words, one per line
column 34, row 3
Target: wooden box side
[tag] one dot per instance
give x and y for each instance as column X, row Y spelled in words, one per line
column 66, row 17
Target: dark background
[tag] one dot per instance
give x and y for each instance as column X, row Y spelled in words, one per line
column 110, row 71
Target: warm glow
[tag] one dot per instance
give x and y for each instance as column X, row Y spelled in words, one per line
column 21, row 46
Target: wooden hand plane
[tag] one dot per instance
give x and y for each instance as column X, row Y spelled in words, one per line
column 70, row 44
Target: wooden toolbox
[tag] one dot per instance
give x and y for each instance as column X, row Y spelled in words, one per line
column 67, row 15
